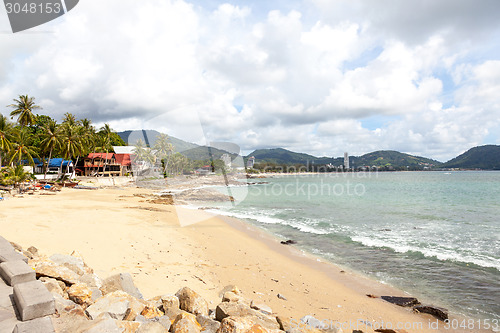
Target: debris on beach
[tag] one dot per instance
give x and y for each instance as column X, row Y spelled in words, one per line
column 440, row 313
column 288, row 242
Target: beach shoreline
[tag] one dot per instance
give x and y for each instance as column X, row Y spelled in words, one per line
column 162, row 256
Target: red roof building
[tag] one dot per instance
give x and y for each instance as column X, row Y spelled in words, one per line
column 107, row 164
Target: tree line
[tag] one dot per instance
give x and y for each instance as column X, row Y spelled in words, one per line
column 28, row 135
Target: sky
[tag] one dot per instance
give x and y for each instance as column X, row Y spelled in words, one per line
column 317, row 76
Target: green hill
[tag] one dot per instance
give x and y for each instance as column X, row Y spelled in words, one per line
column 284, row 156
column 149, row 137
column 382, row 158
column 190, row 150
column 393, row 158
column 482, row 157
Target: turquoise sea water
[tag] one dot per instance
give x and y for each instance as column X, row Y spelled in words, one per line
column 433, row 234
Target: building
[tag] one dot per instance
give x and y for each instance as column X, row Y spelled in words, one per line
column 346, row 160
column 107, row 164
column 251, row 162
column 55, row 169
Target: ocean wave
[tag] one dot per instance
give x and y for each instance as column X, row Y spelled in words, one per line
column 440, row 254
column 266, row 219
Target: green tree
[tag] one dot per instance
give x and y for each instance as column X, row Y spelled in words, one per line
column 71, row 143
column 22, row 149
column 5, row 135
column 17, row 175
column 52, row 139
column 163, row 149
column 23, row 110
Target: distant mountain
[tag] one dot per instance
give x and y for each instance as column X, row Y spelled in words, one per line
column 284, row 156
column 149, row 137
column 190, row 150
column 482, row 157
column 393, row 158
column 382, row 158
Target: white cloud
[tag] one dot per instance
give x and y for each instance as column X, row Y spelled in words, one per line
column 302, row 79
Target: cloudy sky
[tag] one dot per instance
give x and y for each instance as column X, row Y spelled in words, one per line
column 316, row 76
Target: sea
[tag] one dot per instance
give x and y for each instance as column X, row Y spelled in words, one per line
column 435, row 235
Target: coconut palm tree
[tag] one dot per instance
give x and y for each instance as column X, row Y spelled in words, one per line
column 17, row 175
column 23, row 110
column 5, row 134
column 22, row 149
column 163, row 150
column 106, row 132
column 52, row 139
column 71, row 143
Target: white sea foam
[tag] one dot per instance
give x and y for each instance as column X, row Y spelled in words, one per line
column 441, row 254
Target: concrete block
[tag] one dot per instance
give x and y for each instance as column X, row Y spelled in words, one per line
column 7, row 252
column 6, row 296
column 40, row 325
column 33, row 300
column 15, row 272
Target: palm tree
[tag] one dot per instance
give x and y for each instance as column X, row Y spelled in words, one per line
column 52, row 140
column 71, row 143
column 22, row 148
column 163, row 150
column 5, row 133
column 23, row 109
column 106, row 132
column 16, row 175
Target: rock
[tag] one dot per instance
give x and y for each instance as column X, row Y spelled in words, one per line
column 96, row 294
column 208, row 325
column 91, row 280
column 401, row 301
column 151, row 327
column 81, row 294
column 257, row 329
column 33, row 251
column 67, row 323
column 439, row 313
column 70, row 308
column 75, row 264
column 122, row 281
column 185, row 323
column 156, row 302
column 284, row 322
column 261, row 307
column 115, row 304
column 235, row 325
column 170, row 302
column 104, row 326
column 150, row 311
column 50, row 269
column 288, row 242
column 191, row 302
column 165, row 322
column 54, row 286
column 128, row 326
column 281, row 297
column 230, row 288
column 230, row 296
column 231, row 309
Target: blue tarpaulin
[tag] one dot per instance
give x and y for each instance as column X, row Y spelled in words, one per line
column 54, row 162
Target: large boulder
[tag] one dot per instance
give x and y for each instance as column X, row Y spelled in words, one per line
column 104, row 326
column 235, row 325
column 261, row 307
column 122, row 281
column 81, row 294
column 191, row 302
column 69, row 308
column 54, row 286
column 230, row 296
column 150, row 311
column 440, row 313
column 185, row 323
column 76, row 264
column 152, row 327
column 231, row 309
column 208, row 325
column 47, row 268
column 114, row 305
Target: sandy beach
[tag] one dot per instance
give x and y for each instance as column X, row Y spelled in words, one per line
column 118, row 230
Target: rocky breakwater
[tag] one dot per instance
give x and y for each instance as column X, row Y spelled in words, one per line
column 85, row 303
